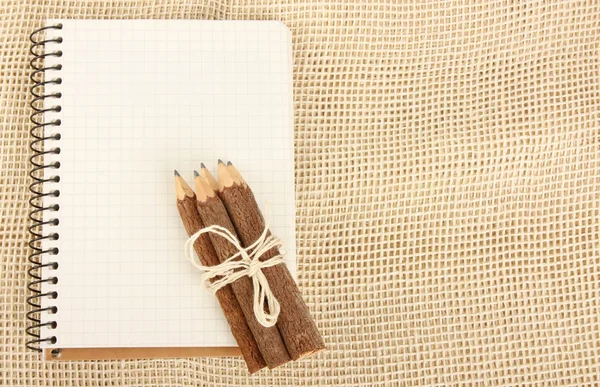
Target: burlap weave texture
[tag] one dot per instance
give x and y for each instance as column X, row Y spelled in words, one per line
column 448, row 192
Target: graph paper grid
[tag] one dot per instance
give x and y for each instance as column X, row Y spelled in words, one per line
column 140, row 99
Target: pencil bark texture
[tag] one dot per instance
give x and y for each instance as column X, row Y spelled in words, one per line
column 229, row 303
column 269, row 340
column 295, row 323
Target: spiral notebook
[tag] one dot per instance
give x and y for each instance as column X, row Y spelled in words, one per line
column 118, row 106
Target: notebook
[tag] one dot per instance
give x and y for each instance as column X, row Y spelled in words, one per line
column 137, row 100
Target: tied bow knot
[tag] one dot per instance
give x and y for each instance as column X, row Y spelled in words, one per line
column 246, row 262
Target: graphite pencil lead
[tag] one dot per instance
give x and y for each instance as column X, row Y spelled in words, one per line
column 221, row 161
column 176, row 173
column 229, row 163
column 196, row 174
column 202, row 166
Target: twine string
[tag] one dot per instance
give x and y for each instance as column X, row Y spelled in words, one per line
column 246, row 262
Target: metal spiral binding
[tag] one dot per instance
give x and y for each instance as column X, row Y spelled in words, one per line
column 37, row 312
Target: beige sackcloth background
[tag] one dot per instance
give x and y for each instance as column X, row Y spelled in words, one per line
column 448, row 192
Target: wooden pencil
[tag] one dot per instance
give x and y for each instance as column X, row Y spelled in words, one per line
column 186, row 205
column 206, row 175
column 213, row 212
column 295, row 323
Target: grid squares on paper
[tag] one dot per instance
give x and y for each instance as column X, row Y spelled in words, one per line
column 142, row 98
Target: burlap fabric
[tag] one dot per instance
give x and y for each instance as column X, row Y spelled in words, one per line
column 448, row 186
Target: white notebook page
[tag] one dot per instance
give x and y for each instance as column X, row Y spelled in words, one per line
column 140, row 99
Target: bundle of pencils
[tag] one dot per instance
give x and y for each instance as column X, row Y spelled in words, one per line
column 230, row 203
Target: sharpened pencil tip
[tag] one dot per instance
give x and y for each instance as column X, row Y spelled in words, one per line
column 229, row 163
column 176, row 173
column 196, row 174
column 202, row 165
column 221, row 161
